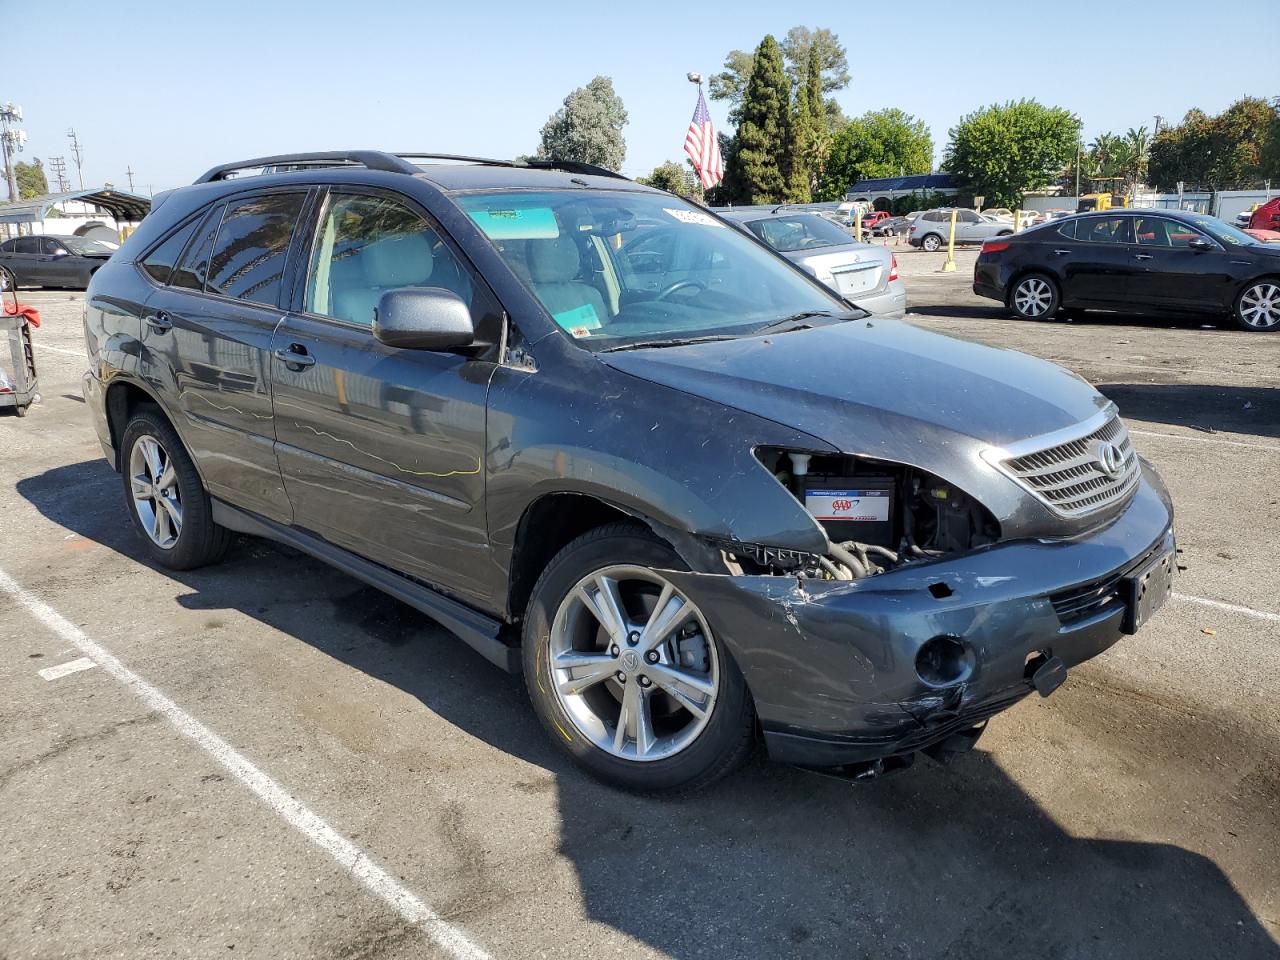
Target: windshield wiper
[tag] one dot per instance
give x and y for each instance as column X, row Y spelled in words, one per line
column 676, row 342
column 794, row 322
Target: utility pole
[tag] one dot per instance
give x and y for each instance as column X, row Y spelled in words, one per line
column 128, row 172
column 58, row 165
column 78, row 154
column 11, row 141
column 1159, row 123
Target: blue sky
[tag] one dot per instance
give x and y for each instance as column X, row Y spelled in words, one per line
column 171, row 88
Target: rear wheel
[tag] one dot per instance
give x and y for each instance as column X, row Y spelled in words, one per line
column 1034, row 297
column 931, row 242
column 168, row 505
column 626, row 673
column 8, row 282
column 1258, row 307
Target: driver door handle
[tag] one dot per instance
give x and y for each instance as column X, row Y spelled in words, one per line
column 1062, row 253
column 1142, row 256
column 159, row 322
column 295, row 357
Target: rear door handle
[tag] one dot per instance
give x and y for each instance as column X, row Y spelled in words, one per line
column 1062, row 253
column 159, row 322
column 1142, row 256
column 295, row 357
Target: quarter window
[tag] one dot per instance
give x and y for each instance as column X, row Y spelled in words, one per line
column 248, row 256
column 159, row 264
column 365, row 246
column 195, row 264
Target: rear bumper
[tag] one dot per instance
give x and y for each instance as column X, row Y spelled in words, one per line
column 831, row 664
column 990, row 280
column 890, row 303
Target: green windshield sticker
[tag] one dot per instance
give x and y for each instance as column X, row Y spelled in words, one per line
column 579, row 322
column 527, row 223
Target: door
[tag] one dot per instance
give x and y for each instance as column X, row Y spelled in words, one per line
column 382, row 449
column 970, row 228
column 208, row 334
column 24, row 259
column 1174, row 274
column 1094, row 259
column 60, row 266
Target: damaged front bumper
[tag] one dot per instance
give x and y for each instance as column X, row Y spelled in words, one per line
column 832, row 665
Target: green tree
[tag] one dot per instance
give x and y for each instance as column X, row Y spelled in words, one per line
column 1232, row 149
column 764, row 148
column 587, row 128
column 31, row 179
column 674, row 178
column 1004, row 150
column 811, row 139
column 731, row 83
column 882, row 143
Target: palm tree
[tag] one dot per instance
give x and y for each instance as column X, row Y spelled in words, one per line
column 1137, row 145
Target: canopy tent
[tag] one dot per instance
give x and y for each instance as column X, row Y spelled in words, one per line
column 124, row 207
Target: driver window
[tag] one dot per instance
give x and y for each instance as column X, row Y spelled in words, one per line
column 365, row 246
column 968, row 216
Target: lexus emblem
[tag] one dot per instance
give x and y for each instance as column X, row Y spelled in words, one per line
column 1110, row 459
column 630, row 662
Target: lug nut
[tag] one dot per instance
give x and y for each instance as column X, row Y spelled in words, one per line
column 622, row 677
column 613, row 651
column 652, row 656
column 633, row 638
column 645, row 681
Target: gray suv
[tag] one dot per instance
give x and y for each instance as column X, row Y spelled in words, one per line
column 698, row 501
column 932, row 228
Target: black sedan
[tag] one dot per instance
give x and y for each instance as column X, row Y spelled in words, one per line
column 1134, row 261
column 51, row 261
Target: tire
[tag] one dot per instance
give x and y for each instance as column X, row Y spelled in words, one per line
column 1005, row 233
column 931, row 242
column 8, row 281
column 685, row 752
column 180, row 535
column 1035, row 297
column 1257, row 308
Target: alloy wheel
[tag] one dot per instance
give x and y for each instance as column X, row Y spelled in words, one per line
column 1032, row 297
column 7, row 282
column 156, row 495
column 633, row 663
column 1260, row 306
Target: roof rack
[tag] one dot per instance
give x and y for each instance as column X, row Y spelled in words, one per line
column 487, row 161
column 372, row 159
column 572, row 166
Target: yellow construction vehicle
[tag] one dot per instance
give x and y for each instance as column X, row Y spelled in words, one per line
column 1101, row 201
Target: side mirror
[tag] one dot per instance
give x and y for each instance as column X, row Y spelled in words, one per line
column 1201, row 244
column 423, row 318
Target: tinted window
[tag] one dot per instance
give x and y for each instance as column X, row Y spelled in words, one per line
column 159, row 264
column 49, row 246
column 1068, row 230
column 248, row 257
column 1151, row 231
column 26, row 245
column 7, row 246
column 366, row 246
column 195, row 264
column 968, row 216
column 1104, row 230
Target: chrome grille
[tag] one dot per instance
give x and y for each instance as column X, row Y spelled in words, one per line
column 1067, row 475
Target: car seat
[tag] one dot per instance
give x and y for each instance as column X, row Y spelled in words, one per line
column 554, row 268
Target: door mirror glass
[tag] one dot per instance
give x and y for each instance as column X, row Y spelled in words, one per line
column 423, row 318
column 1200, row 243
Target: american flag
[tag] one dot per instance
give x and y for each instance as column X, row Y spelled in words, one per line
column 703, row 147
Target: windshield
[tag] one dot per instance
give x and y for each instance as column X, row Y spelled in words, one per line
column 801, row 231
column 1223, row 231
column 84, row 247
column 617, row 268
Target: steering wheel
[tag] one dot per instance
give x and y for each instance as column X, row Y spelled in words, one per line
column 681, row 285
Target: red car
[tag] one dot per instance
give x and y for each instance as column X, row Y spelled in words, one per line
column 869, row 220
column 1267, row 216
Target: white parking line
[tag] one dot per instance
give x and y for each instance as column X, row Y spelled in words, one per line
column 351, row 858
column 70, row 353
column 1230, row 607
column 63, row 669
column 1229, row 443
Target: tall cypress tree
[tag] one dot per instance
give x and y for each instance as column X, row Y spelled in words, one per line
column 807, row 145
column 764, row 144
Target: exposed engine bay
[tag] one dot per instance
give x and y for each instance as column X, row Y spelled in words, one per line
column 877, row 516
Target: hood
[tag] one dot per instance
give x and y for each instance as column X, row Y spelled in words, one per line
column 884, row 389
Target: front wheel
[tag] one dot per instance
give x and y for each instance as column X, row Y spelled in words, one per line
column 932, row 242
column 625, row 671
column 1258, row 307
column 1035, row 297
column 8, row 282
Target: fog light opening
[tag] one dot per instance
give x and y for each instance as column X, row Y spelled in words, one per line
column 940, row 590
column 944, row 661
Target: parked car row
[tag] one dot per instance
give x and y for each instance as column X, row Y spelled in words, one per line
column 1136, row 261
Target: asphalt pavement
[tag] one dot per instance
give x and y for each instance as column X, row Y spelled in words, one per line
column 267, row 759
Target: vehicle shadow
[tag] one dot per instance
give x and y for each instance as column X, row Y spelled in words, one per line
column 1209, row 408
column 955, row 861
column 991, row 310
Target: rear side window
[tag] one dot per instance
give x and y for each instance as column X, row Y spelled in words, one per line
column 248, row 256
column 195, row 263
column 160, row 262
column 1104, row 230
column 26, row 245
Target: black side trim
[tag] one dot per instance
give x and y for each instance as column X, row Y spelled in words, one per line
column 478, row 631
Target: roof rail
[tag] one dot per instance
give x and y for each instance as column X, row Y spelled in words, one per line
column 372, row 159
column 572, row 166
column 487, row 161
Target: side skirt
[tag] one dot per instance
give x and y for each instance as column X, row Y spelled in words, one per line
column 478, row 631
